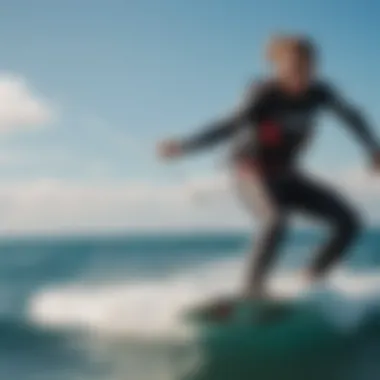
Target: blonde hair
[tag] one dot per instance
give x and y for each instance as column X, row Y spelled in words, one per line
column 300, row 45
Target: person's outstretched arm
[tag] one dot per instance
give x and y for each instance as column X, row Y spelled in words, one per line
column 215, row 132
column 354, row 119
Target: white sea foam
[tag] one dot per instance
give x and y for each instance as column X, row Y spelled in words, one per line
column 152, row 309
column 145, row 309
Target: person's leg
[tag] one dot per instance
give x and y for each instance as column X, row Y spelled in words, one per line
column 318, row 200
column 263, row 204
column 269, row 236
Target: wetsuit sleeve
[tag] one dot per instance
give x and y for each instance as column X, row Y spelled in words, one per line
column 226, row 127
column 352, row 118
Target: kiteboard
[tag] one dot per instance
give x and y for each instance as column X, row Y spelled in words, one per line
column 233, row 309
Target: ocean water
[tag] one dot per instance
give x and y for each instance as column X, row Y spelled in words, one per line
column 110, row 307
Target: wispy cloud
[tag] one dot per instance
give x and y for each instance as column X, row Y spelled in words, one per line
column 20, row 106
column 67, row 206
column 59, row 205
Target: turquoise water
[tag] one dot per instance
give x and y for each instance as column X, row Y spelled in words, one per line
column 110, row 307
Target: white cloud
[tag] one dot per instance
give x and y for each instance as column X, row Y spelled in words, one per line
column 363, row 188
column 360, row 182
column 50, row 206
column 20, row 106
column 62, row 206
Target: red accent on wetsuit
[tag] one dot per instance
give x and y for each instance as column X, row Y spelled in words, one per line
column 269, row 134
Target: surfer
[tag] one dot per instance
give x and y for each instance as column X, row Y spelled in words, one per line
column 275, row 122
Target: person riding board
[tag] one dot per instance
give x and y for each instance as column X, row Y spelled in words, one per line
column 278, row 117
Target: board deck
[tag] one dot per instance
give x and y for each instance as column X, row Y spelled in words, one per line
column 233, row 309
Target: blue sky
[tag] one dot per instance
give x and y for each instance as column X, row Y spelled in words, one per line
column 121, row 74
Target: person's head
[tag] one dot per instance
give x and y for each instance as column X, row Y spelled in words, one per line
column 294, row 60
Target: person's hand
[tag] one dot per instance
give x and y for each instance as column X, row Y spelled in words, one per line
column 376, row 162
column 169, row 149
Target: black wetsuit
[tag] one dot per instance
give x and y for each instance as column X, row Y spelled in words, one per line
column 272, row 127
